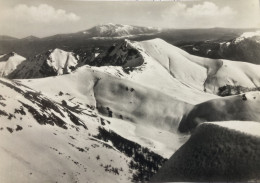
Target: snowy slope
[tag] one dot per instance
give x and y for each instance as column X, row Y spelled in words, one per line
column 9, row 62
column 119, row 96
column 48, row 141
column 153, row 61
column 201, row 73
column 134, row 63
column 51, row 63
column 244, row 107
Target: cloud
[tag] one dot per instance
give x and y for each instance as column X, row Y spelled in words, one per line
column 41, row 14
column 206, row 14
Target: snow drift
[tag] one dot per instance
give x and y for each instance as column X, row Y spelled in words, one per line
column 244, row 107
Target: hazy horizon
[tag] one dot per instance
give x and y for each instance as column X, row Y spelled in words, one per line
column 42, row 18
column 124, row 24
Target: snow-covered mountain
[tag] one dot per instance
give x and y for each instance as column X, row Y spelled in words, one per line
column 9, row 62
column 51, row 63
column 177, row 78
column 196, row 73
column 245, row 47
column 123, row 115
column 118, row 30
column 186, row 78
column 248, row 35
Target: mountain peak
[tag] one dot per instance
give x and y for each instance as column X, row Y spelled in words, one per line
column 109, row 24
column 247, row 35
column 9, row 62
column 50, row 63
column 119, row 30
column 56, row 50
column 30, row 38
column 6, row 57
column 11, row 54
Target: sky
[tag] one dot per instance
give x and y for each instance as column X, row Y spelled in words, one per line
column 21, row 18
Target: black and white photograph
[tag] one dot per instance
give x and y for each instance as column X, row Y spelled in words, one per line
column 129, row 91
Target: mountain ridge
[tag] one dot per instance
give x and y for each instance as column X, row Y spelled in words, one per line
column 51, row 63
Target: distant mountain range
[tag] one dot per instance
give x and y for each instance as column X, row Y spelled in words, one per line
column 244, row 47
column 105, row 35
column 118, row 30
